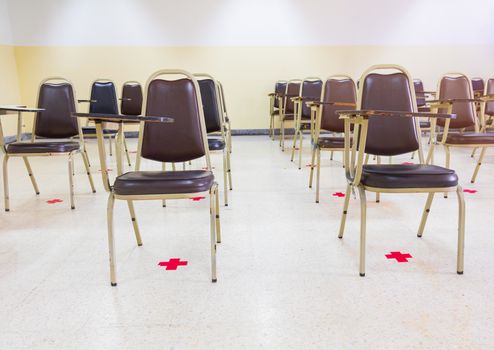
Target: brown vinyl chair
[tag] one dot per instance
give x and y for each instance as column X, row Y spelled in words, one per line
column 182, row 141
column 310, row 90
column 478, row 86
column 287, row 108
column 215, row 125
column 457, row 88
column 489, row 106
column 56, row 126
column 387, row 124
column 339, row 93
column 130, row 104
column 274, row 104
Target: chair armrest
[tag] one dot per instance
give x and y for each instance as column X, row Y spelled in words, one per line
column 125, row 99
column 87, row 101
column 321, row 103
column 116, row 118
column 366, row 113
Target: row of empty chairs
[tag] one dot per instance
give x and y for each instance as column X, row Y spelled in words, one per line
column 387, row 114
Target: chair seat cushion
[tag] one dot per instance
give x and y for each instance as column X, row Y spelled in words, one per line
column 331, row 142
column 468, row 138
column 91, row 130
column 163, row 182
column 216, row 144
column 408, row 176
column 43, row 147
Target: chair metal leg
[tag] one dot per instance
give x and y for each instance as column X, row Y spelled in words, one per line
column 174, row 168
column 271, row 127
column 363, row 223
column 313, row 159
column 71, row 181
column 345, row 211
column 225, row 176
column 378, row 195
column 163, row 168
column 332, row 154
column 366, row 161
column 88, row 172
column 110, row 145
column 212, row 211
column 126, row 149
column 132, row 212
column 228, row 163
column 31, row 175
column 448, row 159
column 218, row 225
column 318, row 172
column 111, row 242
column 479, row 163
column 425, row 214
column 300, row 150
column 87, row 157
column 6, row 182
column 294, row 144
column 461, row 231
column 473, row 152
column 282, row 138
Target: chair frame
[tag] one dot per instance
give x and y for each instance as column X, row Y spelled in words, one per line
column 226, row 118
column 354, row 161
column 317, row 110
column 227, row 170
column 272, row 109
column 70, row 155
column 126, row 148
column 299, row 122
column 213, row 192
column 282, row 101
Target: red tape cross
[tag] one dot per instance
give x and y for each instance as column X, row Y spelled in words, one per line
column 173, row 263
column 338, row 194
column 400, row 257
column 54, row 201
column 470, row 191
column 196, row 199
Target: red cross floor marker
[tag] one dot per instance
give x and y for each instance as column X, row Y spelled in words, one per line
column 54, row 201
column 400, row 257
column 339, row 194
column 108, row 170
column 173, row 263
column 197, row 199
column 470, row 191
column 407, row 163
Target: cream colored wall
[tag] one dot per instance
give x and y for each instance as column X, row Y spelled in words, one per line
column 248, row 73
column 9, row 87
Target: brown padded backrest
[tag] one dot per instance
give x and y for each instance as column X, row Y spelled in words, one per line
column 337, row 90
column 419, row 89
column 134, row 105
column 458, row 87
column 389, row 136
column 279, row 88
column 179, row 141
column 489, row 106
column 311, row 91
column 292, row 90
column 478, row 85
column 56, row 120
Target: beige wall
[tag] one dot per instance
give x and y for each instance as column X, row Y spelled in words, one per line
column 248, row 73
column 9, row 86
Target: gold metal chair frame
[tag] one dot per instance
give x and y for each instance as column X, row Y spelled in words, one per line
column 316, row 113
column 272, row 109
column 226, row 118
column 24, row 156
column 480, row 117
column 213, row 192
column 126, row 148
column 282, row 101
column 227, row 170
column 299, row 122
column 354, row 161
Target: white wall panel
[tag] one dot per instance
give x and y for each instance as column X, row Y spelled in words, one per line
column 5, row 33
column 251, row 22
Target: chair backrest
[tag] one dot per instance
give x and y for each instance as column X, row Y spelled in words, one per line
column 478, row 86
column 292, row 89
column 457, row 85
column 131, row 98
column 389, row 91
column 337, row 89
column 310, row 90
column 419, row 92
column 104, row 95
column 210, row 102
column 279, row 88
column 57, row 97
column 489, row 90
column 180, row 98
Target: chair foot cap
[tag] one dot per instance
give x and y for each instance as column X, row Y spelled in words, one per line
column 72, row 207
column 226, row 205
column 94, row 191
column 362, row 275
column 113, row 284
column 459, row 272
column 472, row 182
column 378, row 201
column 139, row 244
column 37, row 193
column 419, row 235
column 317, row 202
column 164, row 206
column 214, row 280
column 7, row 209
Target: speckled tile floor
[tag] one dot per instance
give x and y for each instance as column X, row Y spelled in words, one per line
column 285, row 281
